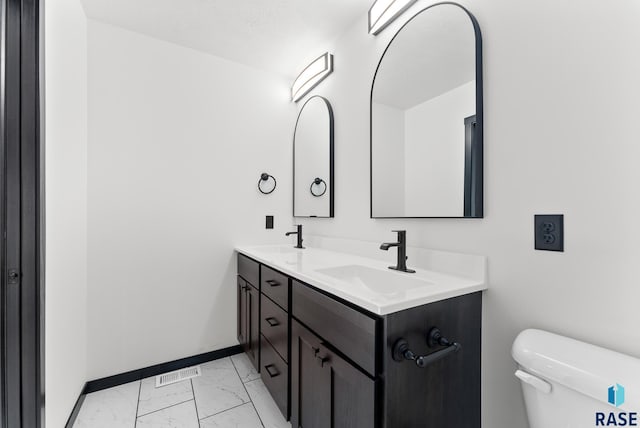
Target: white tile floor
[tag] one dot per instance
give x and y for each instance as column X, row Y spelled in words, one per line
column 228, row 394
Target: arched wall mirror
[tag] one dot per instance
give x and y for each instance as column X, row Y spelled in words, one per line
column 426, row 118
column 313, row 160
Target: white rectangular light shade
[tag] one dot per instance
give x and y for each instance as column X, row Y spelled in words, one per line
column 383, row 12
column 313, row 74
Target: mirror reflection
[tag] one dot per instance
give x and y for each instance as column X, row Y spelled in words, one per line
column 426, row 119
column 313, row 160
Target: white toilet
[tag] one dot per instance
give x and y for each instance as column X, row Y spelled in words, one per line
column 572, row 384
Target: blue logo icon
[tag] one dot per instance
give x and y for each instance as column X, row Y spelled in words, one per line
column 616, row 395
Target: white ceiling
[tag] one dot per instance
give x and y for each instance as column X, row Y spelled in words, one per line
column 276, row 35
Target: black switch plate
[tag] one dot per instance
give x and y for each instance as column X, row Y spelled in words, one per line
column 549, row 232
column 269, row 222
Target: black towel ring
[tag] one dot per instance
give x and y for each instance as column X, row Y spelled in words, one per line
column 263, row 178
column 316, row 181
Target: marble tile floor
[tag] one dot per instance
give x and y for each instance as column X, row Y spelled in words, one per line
column 228, row 394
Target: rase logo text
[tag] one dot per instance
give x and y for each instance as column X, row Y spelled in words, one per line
column 615, row 396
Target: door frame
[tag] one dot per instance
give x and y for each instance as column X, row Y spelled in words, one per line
column 21, row 216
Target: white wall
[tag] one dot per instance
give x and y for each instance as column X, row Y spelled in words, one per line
column 177, row 142
column 389, row 161
column 561, row 103
column 434, row 151
column 65, row 131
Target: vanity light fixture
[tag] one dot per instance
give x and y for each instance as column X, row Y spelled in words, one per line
column 313, row 74
column 383, row 12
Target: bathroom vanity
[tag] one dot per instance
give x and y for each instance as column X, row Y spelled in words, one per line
column 329, row 333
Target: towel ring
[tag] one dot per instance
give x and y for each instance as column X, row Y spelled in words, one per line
column 316, row 181
column 264, row 177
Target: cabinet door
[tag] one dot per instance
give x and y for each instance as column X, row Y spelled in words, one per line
column 327, row 391
column 352, row 394
column 310, row 382
column 242, row 312
column 253, row 326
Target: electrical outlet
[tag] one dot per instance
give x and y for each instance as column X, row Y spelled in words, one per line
column 549, row 232
column 269, row 222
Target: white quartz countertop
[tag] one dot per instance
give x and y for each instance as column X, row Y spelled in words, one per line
column 366, row 282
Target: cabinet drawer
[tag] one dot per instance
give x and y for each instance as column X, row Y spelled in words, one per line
column 275, row 285
column 249, row 270
column 348, row 330
column 273, row 325
column 275, row 375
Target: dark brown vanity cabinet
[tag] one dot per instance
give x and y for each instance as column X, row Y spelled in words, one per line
column 329, row 363
column 249, row 309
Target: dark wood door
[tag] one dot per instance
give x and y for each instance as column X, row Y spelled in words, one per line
column 352, row 394
column 22, row 295
column 253, row 326
column 242, row 312
column 327, row 391
column 310, row 382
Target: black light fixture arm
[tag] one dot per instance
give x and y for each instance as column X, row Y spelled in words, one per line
column 401, row 351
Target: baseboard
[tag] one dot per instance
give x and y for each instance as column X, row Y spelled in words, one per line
column 133, row 375
column 75, row 411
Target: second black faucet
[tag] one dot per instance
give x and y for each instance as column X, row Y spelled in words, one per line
column 401, row 265
column 298, row 232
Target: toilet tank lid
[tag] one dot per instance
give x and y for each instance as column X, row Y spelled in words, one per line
column 585, row 368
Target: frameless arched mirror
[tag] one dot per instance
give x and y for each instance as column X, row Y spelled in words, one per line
column 313, row 160
column 426, row 118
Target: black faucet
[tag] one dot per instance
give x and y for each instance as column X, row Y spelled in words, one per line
column 402, row 251
column 299, row 233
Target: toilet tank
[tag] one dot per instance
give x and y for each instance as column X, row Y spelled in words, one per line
column 572, row 384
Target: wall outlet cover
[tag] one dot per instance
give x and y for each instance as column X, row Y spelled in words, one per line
column 549, row 232
column 269, row 222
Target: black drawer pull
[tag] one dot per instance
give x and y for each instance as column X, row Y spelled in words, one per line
column 272, row 321
column 271, row 370
column 272, row 282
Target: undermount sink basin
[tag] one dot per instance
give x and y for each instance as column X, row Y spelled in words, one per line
column 377, row 280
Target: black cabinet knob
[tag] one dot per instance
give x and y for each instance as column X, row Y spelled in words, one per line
column 14, row 276
column 321, row 360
